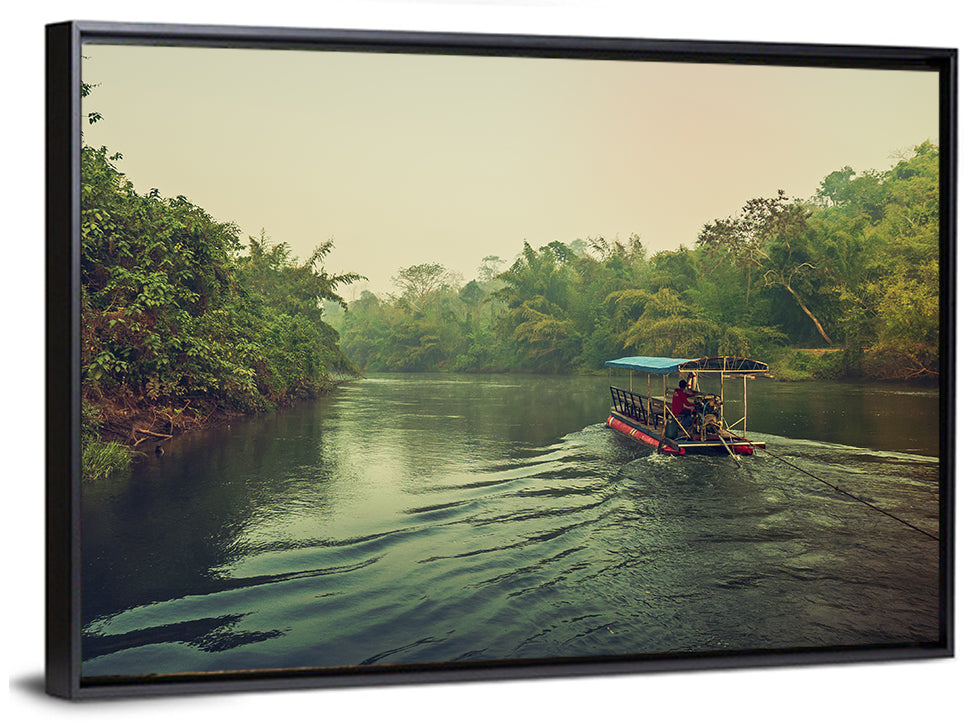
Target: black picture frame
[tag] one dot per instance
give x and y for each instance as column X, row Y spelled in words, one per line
column 63, row 139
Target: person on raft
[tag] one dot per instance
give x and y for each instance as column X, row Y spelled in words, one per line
column 683, row 404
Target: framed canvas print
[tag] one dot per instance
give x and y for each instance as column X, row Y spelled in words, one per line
column 385, row 357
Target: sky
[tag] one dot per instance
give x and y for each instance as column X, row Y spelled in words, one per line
column 406, row 159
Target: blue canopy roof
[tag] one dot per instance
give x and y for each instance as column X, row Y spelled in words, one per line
column 649, row 364
column 716, row 364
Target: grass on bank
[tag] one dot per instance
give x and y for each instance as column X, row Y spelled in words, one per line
column 100, row 460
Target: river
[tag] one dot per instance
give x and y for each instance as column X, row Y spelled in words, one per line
column 438, row 518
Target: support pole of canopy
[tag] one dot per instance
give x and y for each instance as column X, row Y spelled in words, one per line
column 722, row 374
column 664, row 400
column 744, row 404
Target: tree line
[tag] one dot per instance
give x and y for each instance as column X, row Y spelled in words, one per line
column 851, row 275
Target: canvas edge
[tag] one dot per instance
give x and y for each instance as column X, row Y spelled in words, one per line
column 600, row 47
column 948, row 191
column 62, row 388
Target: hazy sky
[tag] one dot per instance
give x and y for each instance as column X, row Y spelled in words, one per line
column 406, row 159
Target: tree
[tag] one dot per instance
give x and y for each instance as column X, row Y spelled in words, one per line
column 664, row 324
column 833, row 188
column 674, row 269
column 271, row 271
column 491, row 267
column 472, row 296
column 768, row 235
column 625, row 263
column 545, row 334
column 419, row 282
column 537, row 295
column 289, row 299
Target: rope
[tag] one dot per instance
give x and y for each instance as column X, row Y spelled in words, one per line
column 840, row 490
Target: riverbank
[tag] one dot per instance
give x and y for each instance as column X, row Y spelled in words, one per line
column 815, row 364
column 115, row 429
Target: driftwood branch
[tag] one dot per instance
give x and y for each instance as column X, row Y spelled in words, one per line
column 152, row 433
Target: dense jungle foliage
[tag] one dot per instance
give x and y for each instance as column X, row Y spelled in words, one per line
column 178, row 324
column 851, row 275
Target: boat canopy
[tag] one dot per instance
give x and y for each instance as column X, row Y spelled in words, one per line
column 649, row 364
column 716, row 364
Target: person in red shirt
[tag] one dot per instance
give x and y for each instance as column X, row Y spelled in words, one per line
column 683, row 404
